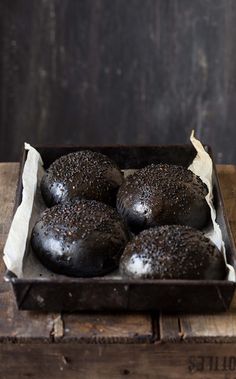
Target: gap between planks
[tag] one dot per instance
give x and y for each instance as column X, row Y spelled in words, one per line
column 210, row 328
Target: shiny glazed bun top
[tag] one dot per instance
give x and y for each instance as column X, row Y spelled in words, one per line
column 84, row 174
column 79, row 238
column 172, row 252
column 162, row 194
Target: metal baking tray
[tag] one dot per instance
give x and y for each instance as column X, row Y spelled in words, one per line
column 61, row 293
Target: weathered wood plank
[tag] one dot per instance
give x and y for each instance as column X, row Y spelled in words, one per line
column 108, row 328
column 139, row 361
column 22, row 326
column 117, row 72
column 227, row 178
column 208, row 328
column 169, row 328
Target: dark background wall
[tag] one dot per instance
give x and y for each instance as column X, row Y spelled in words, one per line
column 117, row 71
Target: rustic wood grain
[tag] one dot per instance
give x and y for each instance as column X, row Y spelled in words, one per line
column 220, row 328
column 117, row 361
column 22, row 326
column 227, row 177
column 101, row 71
column 208, row 328
column 108, row 328
column 29, row 326
column 169, row 328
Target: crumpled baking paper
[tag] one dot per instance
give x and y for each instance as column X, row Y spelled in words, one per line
column 15, row 246
column 202, row 166
column 32, row 205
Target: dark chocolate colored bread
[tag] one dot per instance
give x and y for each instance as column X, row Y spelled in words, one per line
column 172, row 252
column 79, row 238
column 84, row 174
column 162, row 194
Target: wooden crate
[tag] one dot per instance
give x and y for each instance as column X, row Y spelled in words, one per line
column 94, row 346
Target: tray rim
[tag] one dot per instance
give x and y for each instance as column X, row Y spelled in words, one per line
column 11, row 277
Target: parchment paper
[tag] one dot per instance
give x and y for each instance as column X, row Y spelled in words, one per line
column 202, row 166
column 18, row 241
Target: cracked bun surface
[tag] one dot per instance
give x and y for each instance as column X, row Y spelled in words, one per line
column 80, row 238
column 83, row 174
column 162, row 194
column 172, row 252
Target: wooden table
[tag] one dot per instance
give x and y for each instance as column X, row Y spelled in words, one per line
column 36, row 345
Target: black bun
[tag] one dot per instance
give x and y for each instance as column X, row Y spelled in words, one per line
column 163, row 194
column 172, row 252
column 84, row 174
column 79, row 238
